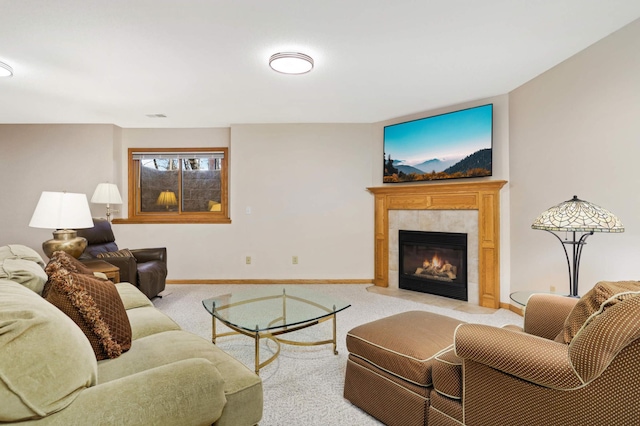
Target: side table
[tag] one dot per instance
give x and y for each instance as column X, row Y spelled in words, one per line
column 522, row 297
column 95, row 265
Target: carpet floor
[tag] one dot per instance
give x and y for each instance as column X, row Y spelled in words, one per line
column 303, row 386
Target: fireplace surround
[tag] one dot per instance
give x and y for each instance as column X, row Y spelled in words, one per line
column 481, row 196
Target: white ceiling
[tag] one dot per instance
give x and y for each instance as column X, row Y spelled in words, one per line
column 203, row 63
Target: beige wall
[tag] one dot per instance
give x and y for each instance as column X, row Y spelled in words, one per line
column 305, row 187
column 575, row 130
column 41, row 157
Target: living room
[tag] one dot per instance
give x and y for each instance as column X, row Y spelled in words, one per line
column 570, row 131
column 299, row 188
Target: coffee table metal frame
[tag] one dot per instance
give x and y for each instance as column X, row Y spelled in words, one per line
column 272, row 331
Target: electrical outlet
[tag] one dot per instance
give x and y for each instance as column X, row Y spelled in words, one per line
column 552, row 289
column 247, row 260
column 294, row 260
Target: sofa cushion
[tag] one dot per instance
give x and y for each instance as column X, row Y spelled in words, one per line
column 17, row 251
column 404, row 344
column 603, row 295
column 132, row 297
column 26, row 272
column 146, row 321
column 242, row 388
column 117, row 253
column 37, row 375
column 96, row 307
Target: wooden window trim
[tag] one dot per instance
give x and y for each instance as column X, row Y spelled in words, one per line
column 221, row 217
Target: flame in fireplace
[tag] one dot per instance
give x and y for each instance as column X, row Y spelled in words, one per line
column 437, row 268
column 436, row 262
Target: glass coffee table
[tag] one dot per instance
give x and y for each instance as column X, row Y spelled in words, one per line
column 271, row 311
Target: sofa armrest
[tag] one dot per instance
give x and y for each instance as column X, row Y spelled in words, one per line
column 531, row 358
column 148, row 254
column 184, row 392
column 545, row 314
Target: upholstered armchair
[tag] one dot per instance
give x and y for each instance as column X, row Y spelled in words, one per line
column 575, row 362
column 145, row 268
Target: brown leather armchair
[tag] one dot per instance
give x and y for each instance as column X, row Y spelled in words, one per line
column 144, row 268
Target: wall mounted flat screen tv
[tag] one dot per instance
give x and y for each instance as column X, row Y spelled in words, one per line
column 448, row 146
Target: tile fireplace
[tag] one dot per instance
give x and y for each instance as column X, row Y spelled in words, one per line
column 482, row 196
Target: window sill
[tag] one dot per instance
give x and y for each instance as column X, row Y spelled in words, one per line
column 174, row 220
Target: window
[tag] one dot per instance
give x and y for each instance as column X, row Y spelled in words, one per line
column 178, row 185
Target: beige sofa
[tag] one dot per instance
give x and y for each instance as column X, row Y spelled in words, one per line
column 49, row 374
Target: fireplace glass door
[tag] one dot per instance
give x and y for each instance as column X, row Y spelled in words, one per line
column 434, row 262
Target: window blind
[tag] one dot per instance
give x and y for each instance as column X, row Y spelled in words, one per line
column 176, row 155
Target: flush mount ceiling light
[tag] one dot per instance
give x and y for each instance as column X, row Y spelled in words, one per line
column 5, row 70
column 291, row 63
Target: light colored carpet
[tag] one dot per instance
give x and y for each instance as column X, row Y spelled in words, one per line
column 303, row 386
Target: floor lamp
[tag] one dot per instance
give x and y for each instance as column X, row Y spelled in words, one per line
column 581, row 219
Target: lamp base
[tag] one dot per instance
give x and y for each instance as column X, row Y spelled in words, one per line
column 66, row 240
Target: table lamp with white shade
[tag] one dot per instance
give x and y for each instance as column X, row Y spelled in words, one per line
column 107, row 193
column 64, row 212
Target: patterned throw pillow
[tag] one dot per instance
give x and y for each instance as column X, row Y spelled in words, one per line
column 119, row 253
column 603, row 295
column 95, row 306
column 63, row 261
column 60, row 259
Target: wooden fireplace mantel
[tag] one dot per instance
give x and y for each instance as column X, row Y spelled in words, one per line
column 483, row 196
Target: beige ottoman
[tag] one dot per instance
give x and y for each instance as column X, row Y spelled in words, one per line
column 390, row 362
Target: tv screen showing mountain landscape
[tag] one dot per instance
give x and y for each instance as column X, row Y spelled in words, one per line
column 448, row 146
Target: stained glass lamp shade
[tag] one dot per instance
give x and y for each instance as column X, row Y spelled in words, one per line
column 576, row 216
